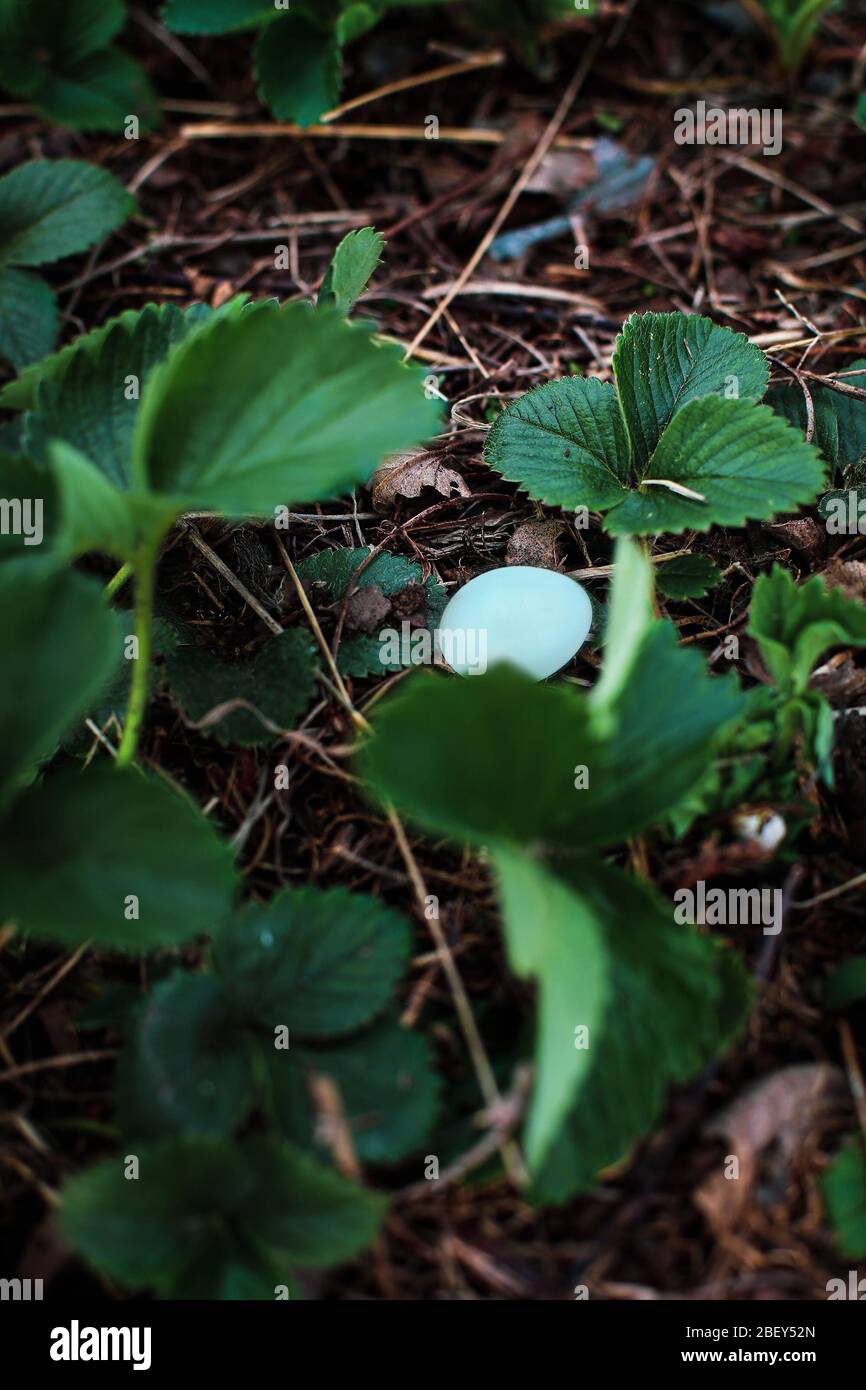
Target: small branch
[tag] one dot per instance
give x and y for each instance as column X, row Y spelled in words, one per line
column 222, row 568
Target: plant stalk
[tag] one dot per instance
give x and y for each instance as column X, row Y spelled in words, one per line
column 145, row 567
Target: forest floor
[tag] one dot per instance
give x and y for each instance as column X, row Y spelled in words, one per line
column 774, row 247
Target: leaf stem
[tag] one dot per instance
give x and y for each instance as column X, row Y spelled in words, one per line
column 118, row 580
column 145, row 566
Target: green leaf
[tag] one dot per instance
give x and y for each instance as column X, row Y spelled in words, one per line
column 328, row 574
column 24, row 536
column 89, row 394
column 28, row 317
column 675, row 1001
column 186, row 1068
column 100, row 92
column 689, row 576
column 52, row 208
column 275, row 406
column 161, row 325
column 565, row 443
column 554, row 936
column 496, row 756
column 37, row 38
column 663, row 361
column 629, row 618
column 319, row 963
column 109, row 836
column 844, row 1189
column 840, row 421
column 216, row 16
column 846, row 985
column 62, row 643
column 386, row 1082
column 202, row 1206
column 94, row 514
column 298, row 69
column 794, row 624
column 795, row 23
column 352, row 264
column 279, row 681
column 742, row 460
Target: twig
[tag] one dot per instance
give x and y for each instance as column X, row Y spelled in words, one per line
column 546, row 142
column 222, row 568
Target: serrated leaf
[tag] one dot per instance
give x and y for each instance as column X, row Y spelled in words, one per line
column 688, row 576
column 676, row 999
column 62, row 644
column 437, row 750
column 794, row 624
column 329, row 572
column 99, row 92
column 28, row 317
column 387, row 1085
column 165, row 325
column 553, row 935
column 319, row 963
column 352, row 264
column 840, row 421
column 298, row 69
column 186, row 1068
column 565, row 443
column 216, row 16
column 663, row 361
column 202, row 1206
column 50, row 208
column 279, row 681
column 844, row 1189
column 35, row 38
column 740, row 460
column 275, row 406
column 89, row 394
column 109, row 835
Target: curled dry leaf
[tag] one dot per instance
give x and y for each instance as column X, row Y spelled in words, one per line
column 404, row 475
column 847, row 575
column 534, row 543
column 785, row 1108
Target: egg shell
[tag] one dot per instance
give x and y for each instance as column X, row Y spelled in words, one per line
column 536, row 619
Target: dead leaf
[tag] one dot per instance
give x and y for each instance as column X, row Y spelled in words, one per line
column 534, row 543
column 405, row 475
column 847, row 575
column 563, row 172
column 785, row 1109
column 366, row 608
column 803, row 535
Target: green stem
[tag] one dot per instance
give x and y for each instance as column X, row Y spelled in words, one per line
column 118, row 580
column 145, row 566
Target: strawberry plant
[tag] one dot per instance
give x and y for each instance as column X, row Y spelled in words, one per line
column 61, row 58
column 599, row 943
column 48, row 209
column 678, row 443
column 793, row 25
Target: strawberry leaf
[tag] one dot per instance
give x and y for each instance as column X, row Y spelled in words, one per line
column 52, row 208
column 201, row 1208
column 352, row 264
column 318, row 963
column 279, row 681
column 298, row 68
column 149, row 871
column 794, row 624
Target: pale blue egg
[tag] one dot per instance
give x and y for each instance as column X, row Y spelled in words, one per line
column 536, row 619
